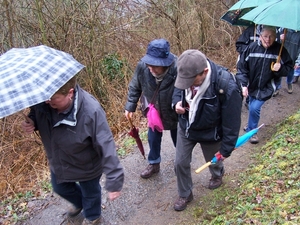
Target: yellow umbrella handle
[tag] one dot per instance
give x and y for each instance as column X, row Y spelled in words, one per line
column 203, row 167
column 281, row 47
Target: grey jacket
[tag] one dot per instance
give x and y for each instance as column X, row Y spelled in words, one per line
column 79, row 147
column 144, row 82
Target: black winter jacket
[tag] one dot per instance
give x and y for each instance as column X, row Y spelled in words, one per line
column 218, row 116
column 144, row 82
column 254, row 69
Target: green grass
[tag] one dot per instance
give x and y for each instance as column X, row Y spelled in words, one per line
column 269, row 190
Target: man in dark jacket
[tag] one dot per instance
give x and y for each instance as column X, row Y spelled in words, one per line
column 154, row 76
column 80, row 147
column 211, row 116
column 256, row 75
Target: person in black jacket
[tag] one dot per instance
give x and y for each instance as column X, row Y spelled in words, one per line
column 245, row 39
column 207, row 115
column 156, row 70
column 80, row 148
column 257, row 77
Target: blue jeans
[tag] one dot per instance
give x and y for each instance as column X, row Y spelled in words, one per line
column 86, row 195
column 254, row 113
column 289, row 79
column 154, row 140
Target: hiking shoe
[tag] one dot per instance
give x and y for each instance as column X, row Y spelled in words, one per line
column 254, row 139
column 93, row 222
column 181, row 203
column 215, row 182
column 97, row 221
column 150, row 170
column 276, row 92
column 290, row 88
column 245, row 127
column 73, row 211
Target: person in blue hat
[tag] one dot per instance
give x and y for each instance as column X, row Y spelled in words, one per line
column 153, row 80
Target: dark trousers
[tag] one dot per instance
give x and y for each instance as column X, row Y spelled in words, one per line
column 84, row 194
column 183, row 159
column 154, row 140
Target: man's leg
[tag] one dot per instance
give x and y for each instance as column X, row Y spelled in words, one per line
column 182, row 167
column 68, row 190
column 209, row 150
column 91, row 198
column 254, row 113
column 254, row 117
column 289, row 81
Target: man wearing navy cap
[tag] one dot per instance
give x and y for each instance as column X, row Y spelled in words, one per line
column 154, row 77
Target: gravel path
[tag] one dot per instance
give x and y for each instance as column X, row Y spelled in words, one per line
column 145, row 202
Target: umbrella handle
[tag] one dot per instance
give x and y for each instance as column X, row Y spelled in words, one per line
column 279, row 54
column 130, row 121
column 203, row 167
column 27, row 119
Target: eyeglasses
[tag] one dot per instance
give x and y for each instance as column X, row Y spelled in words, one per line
column 268, row 37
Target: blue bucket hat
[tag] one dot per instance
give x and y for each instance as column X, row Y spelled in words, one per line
column 158, row 53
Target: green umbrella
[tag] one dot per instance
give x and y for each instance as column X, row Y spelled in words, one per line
column 235, row 12
column 283, row 13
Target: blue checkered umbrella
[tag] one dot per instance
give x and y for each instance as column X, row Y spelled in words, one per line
column 29, row 76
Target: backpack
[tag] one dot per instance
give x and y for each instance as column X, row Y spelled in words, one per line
column 223, row 81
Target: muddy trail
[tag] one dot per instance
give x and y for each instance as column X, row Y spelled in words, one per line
column 145, row 202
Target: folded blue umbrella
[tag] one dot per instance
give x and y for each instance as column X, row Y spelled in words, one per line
column 241, row 140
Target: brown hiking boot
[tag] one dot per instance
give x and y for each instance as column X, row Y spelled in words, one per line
column 150, row 170
column 215, row 182
column 98, row 221
column 181, row 203
column 73, row 211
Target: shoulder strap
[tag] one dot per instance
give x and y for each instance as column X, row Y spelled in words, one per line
column 155, row 93
column 224, row 77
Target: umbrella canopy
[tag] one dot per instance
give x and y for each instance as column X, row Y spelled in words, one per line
column 241, row 140
column 239, row 9
column 29, row 76
column 134, row 132
column 282, row 13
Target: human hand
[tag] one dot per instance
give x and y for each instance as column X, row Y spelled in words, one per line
column 179, row 109
column 113, row 195
column 245, row 91
column 276, row 67
column 128, row 114
column 281, row 37
column 28, row 125
column 219, row 156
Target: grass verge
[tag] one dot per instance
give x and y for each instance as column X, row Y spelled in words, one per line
column 268, row 192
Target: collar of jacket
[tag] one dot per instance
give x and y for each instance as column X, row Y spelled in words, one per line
column 70, row 118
